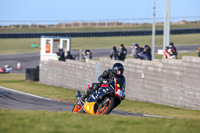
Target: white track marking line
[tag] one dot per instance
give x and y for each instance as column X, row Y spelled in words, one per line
column 24, row 93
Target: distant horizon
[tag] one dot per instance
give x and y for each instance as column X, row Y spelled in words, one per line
column 132, row 21
column 90, row 10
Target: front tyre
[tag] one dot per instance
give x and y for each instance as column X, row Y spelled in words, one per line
column 107, row 108
column 77, row 109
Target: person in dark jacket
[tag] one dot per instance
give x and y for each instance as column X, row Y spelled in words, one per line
column 137, row 51
column 111, row 77
column 114, row 54
column 123, row 52
column 69, row 56
column 147, row 51
column 61, row 55
column 173, row 48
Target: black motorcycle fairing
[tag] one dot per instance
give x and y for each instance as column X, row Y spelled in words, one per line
column 100, row 93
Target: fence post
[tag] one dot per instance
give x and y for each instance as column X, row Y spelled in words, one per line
column 46, row 24
column 97, row 23
column 96, row 71
column 20, row 26
column 80, row 24
column 54, row 24
column 3, row 25
column 80, row 53
column 199, row 20
column 106, row 23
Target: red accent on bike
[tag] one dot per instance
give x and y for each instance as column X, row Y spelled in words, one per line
column 104, row 85
column 88, row 86
column 116, row 84
column 77, row 108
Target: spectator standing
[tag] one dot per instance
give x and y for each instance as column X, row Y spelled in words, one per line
column 198, row 50
column 69, row 56
column 114, row 54
column 147, row 51
column 61, row 55
column 88, row 55
column 123, row 52
column 168, row 53
column 83, row 55
column 141, row 54
column 137, row 50
column 133, row 51
column 173, row 48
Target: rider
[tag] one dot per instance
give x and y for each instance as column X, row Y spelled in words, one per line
column 112, row 77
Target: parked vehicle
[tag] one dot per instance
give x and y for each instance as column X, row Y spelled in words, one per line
column 5, row 69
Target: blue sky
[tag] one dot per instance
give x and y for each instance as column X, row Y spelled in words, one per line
column 93, row 9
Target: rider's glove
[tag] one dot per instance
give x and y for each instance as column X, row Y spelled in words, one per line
column 123, row 96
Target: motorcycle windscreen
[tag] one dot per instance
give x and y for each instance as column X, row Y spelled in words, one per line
column 89, row 107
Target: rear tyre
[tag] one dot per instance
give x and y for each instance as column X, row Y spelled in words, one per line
column 107, row 108
column 77, row 109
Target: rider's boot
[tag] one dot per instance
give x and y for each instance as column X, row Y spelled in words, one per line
column 84, row 96
column 91, row 89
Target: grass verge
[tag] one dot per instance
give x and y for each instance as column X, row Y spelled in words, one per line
column 64, row 122
column 8, row 46
column 18, row 121
column 17, row 81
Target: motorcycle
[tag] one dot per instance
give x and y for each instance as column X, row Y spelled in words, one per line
column 100, row 102
column 5, row 69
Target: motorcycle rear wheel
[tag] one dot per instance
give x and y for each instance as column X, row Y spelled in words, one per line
column 77, row 109
column 107, row 108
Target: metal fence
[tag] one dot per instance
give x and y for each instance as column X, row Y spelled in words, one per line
column 92, row 23
column 99, row 34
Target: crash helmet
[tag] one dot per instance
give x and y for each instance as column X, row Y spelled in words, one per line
column 118, row 69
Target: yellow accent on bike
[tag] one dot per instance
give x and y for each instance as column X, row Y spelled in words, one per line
column 118, row 85
column 89, row 107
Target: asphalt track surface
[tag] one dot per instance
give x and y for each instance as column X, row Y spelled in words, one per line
column 17, row 100
column 31, row 60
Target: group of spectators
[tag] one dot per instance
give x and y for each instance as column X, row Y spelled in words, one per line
column 143, row 53
column 137, row 52
column 116, row 55
column 140, row 52
column 61, row 55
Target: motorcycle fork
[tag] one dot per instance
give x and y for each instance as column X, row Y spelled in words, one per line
column 104, row 102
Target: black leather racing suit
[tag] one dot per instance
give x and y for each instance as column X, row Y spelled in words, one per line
column 106, row 77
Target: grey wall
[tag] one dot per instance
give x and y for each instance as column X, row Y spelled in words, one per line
column 168, row 82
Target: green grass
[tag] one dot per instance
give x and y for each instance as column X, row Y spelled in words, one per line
column 19, row 121
column 24, row 45
column 63, row 122
column 10, row 46
column 17, row 81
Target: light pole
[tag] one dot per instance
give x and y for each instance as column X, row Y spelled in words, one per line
column 166, row 36
column 153, row 29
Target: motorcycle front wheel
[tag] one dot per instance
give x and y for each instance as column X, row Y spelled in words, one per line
column 77, row 109
column 107, row 108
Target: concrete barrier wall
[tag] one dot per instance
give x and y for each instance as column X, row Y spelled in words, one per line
column 70, row 74
column 169, row 82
